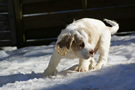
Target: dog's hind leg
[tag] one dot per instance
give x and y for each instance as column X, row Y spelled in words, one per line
column 92, row 63
column 103, row 50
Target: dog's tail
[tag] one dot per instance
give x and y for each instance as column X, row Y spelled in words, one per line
column 114, row 26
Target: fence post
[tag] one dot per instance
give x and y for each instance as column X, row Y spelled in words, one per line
column 17, row 9
column 11, row 16
column 84, row 4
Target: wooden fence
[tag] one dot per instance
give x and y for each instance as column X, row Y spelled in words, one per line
column 38, row 22
column 7, row 33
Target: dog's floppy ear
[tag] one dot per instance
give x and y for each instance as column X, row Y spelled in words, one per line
column 64, row 45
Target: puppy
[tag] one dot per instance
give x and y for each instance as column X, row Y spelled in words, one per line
column 82, row 39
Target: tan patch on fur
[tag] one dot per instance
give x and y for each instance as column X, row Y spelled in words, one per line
column 64, row 45
column 93, row 34
column 88, row 32
column 76, row 44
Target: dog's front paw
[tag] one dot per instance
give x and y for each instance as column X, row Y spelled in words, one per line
column 92, row 64
column 49, row 73
column 81, row 68
column 97, row 67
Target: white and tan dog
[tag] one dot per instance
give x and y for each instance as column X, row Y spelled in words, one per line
column 81, row 39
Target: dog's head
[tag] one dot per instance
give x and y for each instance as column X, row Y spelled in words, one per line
column 77, row 41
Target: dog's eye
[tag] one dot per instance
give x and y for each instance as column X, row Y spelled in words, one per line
column 81, row 45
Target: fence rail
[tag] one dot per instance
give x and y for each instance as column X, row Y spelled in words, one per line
column 37, row 22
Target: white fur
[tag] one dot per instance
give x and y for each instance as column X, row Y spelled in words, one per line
column 86, row 62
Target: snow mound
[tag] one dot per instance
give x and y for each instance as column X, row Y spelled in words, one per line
column 3, row 54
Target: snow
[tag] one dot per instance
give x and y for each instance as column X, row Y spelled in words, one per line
column 20, row 69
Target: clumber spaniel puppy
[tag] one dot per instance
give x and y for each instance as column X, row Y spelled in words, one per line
column 81, row 39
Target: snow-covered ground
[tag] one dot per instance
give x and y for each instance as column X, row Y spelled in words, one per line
column 20, row 69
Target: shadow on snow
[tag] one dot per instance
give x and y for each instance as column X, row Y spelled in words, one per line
column 17, row 77
column 117, row 77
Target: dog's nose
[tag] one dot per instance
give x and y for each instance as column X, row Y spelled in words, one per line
column 91, row 52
